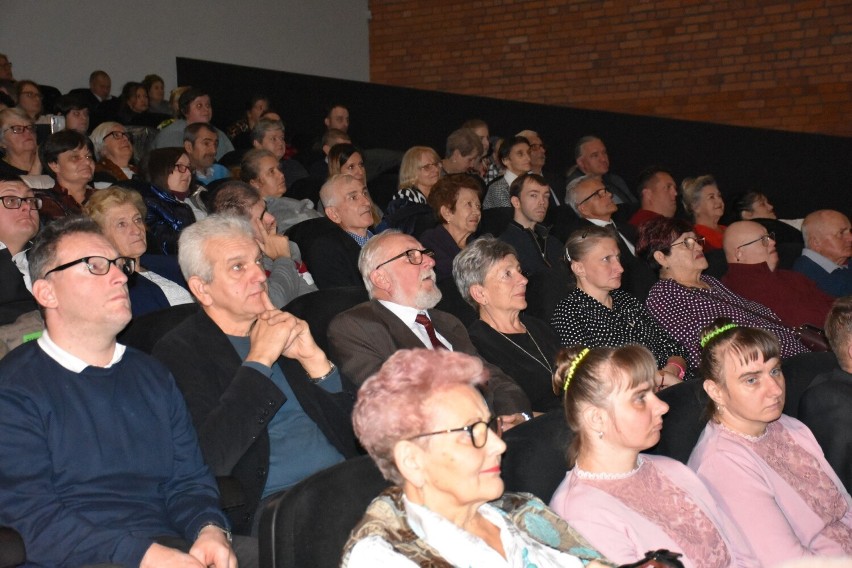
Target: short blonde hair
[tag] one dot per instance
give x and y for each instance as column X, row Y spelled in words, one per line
column 105, row 199
column 410, row 166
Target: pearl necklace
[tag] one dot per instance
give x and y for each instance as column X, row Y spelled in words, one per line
column 543, row 362
column 748, row 437
column 583, row 474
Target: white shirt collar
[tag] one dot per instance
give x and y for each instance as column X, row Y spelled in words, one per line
column 72, row 362
column 821, row 261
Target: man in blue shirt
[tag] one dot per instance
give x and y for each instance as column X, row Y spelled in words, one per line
column 828, row 247
column 99, row 459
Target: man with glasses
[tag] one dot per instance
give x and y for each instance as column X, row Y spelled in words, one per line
column 266, row 401
column 593, row 202
column 400, row 279
column 538, row 156
column 753, row 273
column 19, row 223
column 100, row 463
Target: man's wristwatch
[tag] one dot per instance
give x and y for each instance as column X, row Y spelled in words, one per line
column 228, row 535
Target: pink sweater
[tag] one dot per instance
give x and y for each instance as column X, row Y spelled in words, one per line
column 778, row 489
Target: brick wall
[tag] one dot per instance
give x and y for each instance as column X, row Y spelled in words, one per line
column 770, row 64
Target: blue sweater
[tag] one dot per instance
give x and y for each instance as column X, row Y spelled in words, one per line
column 95, row 465
column 836, row 283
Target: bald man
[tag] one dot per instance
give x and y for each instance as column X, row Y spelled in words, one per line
column 828, row 246
column 754, row 274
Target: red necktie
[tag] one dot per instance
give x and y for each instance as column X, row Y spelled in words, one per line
column 424, row 320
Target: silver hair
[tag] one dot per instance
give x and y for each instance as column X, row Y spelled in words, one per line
column 368, row 258
column 571, row 191
column 99, row 134
column 473, row 263
column 192, row 245
column 327, row 194
column 527, row 133
column 264, row 125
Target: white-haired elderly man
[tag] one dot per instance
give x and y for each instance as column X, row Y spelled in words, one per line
column 399, row 276
column 266, row 401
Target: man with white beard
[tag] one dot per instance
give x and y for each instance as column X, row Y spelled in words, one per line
column 400, row 279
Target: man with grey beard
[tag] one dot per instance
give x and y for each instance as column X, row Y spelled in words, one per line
column 400, row 279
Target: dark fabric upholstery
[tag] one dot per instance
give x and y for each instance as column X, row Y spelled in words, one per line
column 536, row 455
column 318, row 308
column 685, row 420
column 309, row 524
column 799, row 371
column 145, row 331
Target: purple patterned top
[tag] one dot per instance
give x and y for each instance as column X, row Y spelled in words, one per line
column 683, row 311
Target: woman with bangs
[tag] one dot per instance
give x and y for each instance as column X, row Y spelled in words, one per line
column 765, row 469
column 623, row 501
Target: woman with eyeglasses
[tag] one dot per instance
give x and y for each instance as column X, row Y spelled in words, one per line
column 171, row 182
column 765, row 469
column 120, row 213
column 455, row 203
column 427, row 427
column 598, row 313
column 29, row 99
column 114, row 152
column 409, row 210
column 18, row 144
column 624, row 501
column 704, row 203
column 684, row 299
column 753, row 273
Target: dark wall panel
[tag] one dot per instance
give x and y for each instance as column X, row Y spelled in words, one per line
column 799, row 172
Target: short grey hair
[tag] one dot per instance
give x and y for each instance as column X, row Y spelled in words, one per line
column 369, row 256
column 473, row 263
column 527, row 133
column 264, row 125
column 192, row 244
column 99, row 134
column 571, row 191
column 327, row 195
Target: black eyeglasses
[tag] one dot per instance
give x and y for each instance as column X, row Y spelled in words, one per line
column 15, row 202
column 99, row 265
column 415, row 256
column 183, row 168
column 689, row 242
column 598, row 193
column 429, row 166
column 20, row 129
column 118, row 135
column 764, row 240
column 478, row 431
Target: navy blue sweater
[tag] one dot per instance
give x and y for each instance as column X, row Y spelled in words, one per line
column 94, row 465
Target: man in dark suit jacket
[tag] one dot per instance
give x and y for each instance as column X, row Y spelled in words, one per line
column 332, row 256
column 594, row 205
column 403, row 291
column 252, row 375
column 824, row 406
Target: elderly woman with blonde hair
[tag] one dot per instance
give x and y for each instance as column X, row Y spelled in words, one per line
column 120, row 213
column 425, row 424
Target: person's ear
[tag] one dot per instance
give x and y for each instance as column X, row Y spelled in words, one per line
column 446, row 214
column 516, row 202
column 187, row 147
column 54, row 167
column 332, row 214
column 479, row 294
column 578, row 269
column 409, row 460
column 714, row 392
column 380, row 280
column 200, row 290
column 661, row 259
column 44, row 294
column 593, row 418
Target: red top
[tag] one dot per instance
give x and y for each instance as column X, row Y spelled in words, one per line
column 643, row 216
column 713, row 238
